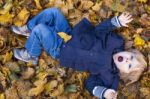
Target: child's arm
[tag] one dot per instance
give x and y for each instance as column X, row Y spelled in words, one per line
column 107, row 94
column 102, row 86
column 111, row 24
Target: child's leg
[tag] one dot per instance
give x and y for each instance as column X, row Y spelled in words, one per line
column 43, row 36
column 50, row 17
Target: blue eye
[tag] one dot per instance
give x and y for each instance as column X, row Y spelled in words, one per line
column 131, row 57
column 130, row 66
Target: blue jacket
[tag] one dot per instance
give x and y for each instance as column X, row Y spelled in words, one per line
column 91, row 49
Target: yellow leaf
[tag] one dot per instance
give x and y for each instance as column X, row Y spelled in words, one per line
column 2, row 96
column 50, row 3
column 38, row 5
column 51, row 85
column 5, row 71
column 117, row 6
column 108, row 3
column 97, row 6
column 6, row 18
column 7, row 57
column 42, row 64
column 64, row 36
column 142, row 1
column 38, row 89
column 148, row 9
column 41, row 75
column 58, row 91
column 138, row 41
column 22, row 17
column 28, row 73
column 145, row 92
column 30, row 64
column 7, row 7
column 70, row 4
column 86, row 5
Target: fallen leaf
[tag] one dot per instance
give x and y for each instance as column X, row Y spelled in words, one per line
column 27, row 74
column 22, row 17
column 117, row 6
column 58, row 91
column 8, row 57
column 138, row 41
column 97, row 6
column 51, row 85
column 41, row 75
column 6, row 8
column 13, row 66
column 86, row 5
column 38, row 5
column 64, row 36
column 2, row 96
column 38, row 89
column 6, row 18
column 142, row 1
column 11, row 93
column 71, row 88
column 145, row 92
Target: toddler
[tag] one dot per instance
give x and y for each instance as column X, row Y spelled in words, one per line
column 95, row 49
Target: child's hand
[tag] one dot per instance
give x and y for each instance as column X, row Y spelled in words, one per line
column 110, row 94
column 125, row 18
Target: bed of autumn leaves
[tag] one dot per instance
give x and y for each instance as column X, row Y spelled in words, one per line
column 19, row 80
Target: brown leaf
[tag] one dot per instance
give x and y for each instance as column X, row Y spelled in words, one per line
column 7, row 57
column 85, row 5
column 51, row 85
column 27, row 74
column 6, row 18
column 145, row 92
column 22, row 17
column 97, row 6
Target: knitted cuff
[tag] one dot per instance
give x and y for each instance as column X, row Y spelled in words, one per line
column 99, row 91
column 115, row 21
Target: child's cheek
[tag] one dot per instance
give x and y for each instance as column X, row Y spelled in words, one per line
column 123, row 68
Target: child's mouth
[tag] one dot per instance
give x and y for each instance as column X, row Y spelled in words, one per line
column 120, row 58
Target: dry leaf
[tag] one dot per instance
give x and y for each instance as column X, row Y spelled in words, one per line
column 145, row 92
column 38, row 5
column 117, row 6
column 22, row 17
column 142, row 1
column 42, row 75
column 7, row 7
column 97, row 6
column 28, row 73
column 58, row 91
column 86, row 5
column 64, row 36
column 51, row 85
column 13, row 66
column 6, row 18
column 138, row 41
column 2, row 96
column 7, row 57
column 38, row 89
column 11, row 93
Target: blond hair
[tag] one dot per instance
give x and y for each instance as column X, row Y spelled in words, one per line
column 135, row 73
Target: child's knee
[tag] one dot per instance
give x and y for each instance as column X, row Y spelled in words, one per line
column 42, row 30
column 53, row 9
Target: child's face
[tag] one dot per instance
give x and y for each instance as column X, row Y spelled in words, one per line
column 125, row 61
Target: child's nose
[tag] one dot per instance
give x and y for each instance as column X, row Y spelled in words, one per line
column 127, row 60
